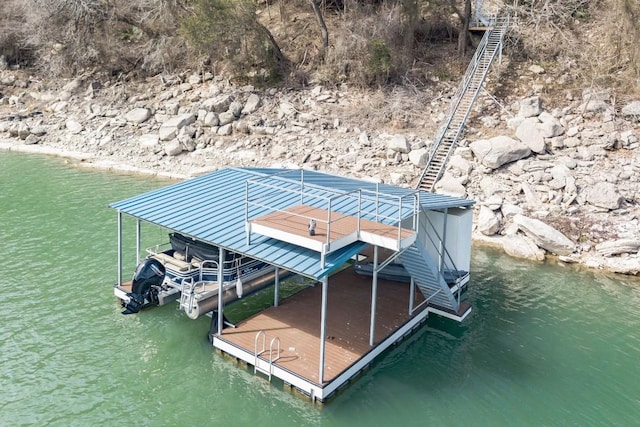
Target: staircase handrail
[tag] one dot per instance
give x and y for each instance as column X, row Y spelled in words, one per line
column 500, row 25
column 466, row 87
column 461, row 90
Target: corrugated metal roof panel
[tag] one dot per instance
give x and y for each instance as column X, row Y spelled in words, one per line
column 212, row 208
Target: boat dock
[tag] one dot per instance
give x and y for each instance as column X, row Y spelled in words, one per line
column 315, row 225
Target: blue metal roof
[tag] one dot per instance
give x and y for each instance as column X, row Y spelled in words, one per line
column 211, row 208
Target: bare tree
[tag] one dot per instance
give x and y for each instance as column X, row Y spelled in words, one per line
column 323, row 27
column 465, row 19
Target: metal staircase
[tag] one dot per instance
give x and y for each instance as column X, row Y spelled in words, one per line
column 451, row 127
column 418, row 263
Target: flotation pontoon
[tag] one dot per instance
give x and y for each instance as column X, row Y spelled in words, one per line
column 187, row 269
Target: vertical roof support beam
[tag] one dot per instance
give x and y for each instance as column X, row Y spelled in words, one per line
column 221, row 253
column 119, row 247
column 412, row 295
column 247, row 224
column 138, row 234
column 323, row 327
column 374, row 297
column 276, row 290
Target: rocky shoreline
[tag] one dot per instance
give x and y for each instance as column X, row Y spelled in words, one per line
column 547, row 183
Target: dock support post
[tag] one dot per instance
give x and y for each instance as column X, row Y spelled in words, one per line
column 220, row 289
column 443, row 242
column 323, row 327
column 412, row 295
column 276, row 290
column 119, row 247
column 138, row 234
column 374, row 296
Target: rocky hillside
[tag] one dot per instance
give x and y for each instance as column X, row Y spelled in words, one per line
column 561, row 181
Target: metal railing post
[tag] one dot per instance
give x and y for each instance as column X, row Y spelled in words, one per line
column 302, row 186
column 329, row 224
column 359, row 211
column 221, row 252
column 377, row 199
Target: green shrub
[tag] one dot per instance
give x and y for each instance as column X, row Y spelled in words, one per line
column 229, row 30
column 379, row 62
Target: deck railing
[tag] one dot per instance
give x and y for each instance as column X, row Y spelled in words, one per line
column 277, row 194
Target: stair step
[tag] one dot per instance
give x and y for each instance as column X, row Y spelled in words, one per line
column 462, row 103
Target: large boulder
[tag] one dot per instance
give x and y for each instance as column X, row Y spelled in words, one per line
column 632, row 110
column 450, row 186
column 459, row 164
column 217, row 104
column 530, row 107
column 419, row 157
column 173, row 148
column 226, row 118
column 519, row 246
column 169, row 129
column 74, row 126
column 399, row 144
column 560, row 174
column 252, row 104
column 488, row 222
column 544, row 236
column 617, row 247
column 499, row 150
column 550, row 127
column 604, row 195
column 530, row 134
column 138, row 115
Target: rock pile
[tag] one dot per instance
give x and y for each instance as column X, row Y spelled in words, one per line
column 576, row 169
column 563, row 182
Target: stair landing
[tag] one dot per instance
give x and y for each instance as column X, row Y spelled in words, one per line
column 333, row 230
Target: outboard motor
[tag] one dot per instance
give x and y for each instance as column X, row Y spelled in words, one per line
column 147, row 279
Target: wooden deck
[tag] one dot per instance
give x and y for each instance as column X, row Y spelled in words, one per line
column 296, row 322
column 126, row 286
column 330, row 227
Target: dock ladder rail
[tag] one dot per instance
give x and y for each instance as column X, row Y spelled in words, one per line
column 257, row 353
column 189, row 285
column 187, row 295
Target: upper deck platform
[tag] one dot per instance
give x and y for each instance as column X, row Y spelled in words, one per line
column 333, row 230
column 283, row 209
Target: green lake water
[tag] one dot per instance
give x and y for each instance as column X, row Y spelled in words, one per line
column 545, row 345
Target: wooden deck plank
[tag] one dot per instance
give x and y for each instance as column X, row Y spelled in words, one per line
column 297, row 324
